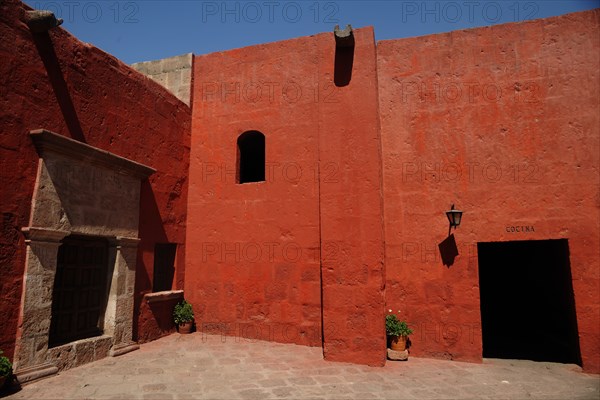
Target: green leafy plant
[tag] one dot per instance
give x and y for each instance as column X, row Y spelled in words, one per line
column 5, row 366
column 395, row 327
column 183, row 312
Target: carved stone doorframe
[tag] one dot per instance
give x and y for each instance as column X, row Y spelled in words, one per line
column 79, row 190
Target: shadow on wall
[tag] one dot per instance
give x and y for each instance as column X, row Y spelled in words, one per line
column 11, row 243
column 448, row 250
column 344, row 56
column 45, row 48
column 151, row 231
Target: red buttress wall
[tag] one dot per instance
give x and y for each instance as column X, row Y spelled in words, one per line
column 56, row 82
column 503, row 121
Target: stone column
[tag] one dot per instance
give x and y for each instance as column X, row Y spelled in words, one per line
column 119, row 323
column 36, row 312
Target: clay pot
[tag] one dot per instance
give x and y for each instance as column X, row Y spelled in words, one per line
column 185, row 327
column 398, row 343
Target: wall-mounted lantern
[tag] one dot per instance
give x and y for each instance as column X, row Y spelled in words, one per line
column 454, row 217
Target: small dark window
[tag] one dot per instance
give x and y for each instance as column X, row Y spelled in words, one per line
column 164, row 266
column 251, row 157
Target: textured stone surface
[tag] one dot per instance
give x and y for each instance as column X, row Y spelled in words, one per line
column 208, row 367
column 256, row 249
column 502, row 121
column 160, row 305
column 351, row 219
column 174, row 73
column 56, row 82
column 496, row 121
column 72, row 183
column 253, row 261
column 72, row 196
column 79, row 352
column 397, row 355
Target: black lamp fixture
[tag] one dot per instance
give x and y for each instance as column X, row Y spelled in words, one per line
column 454, row 216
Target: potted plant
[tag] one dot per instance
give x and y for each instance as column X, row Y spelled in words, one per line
column 183, row 315
column 397, row 332
column 5, row 370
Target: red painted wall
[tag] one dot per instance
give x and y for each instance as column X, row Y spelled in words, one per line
column 59, row 83
column 352, row 209
column 503, row 121
column 252, row 266
column 254, row 250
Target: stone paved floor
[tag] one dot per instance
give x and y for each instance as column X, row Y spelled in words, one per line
column 203, row 367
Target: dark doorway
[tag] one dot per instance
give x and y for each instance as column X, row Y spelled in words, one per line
column 527, row 302
column 251, row 157
column 80, row 290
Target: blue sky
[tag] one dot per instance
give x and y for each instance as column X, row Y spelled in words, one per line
column 145, row 30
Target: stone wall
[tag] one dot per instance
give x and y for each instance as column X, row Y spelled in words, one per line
column 174, row 73
column 85, row 191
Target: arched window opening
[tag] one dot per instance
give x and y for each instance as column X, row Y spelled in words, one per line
column 251, row 157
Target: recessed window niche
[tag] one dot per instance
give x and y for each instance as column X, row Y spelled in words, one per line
column 251, row 157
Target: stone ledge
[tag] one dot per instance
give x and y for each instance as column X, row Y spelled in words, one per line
column 125, row 348
column 123, row 241
column 45, row 140
column 80, row 352
column 36, row 372
column 163, row 296
column 38, row 234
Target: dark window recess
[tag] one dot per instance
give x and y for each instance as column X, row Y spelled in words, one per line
column 80, row 290
column 251, row 157
column 164, row 266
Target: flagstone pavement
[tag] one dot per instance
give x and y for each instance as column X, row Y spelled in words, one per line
column 201, row 366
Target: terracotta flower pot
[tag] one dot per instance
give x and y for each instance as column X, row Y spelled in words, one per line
column 185, row 327
column 398, row 343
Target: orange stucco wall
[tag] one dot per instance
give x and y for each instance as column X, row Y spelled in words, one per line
column 255, row 250
column 502, row 121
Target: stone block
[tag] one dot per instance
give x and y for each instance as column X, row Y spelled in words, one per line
column 38, row 296
column 160, row 79
column 84, row 351
column 174, row 81
column 25, row 356
column 124, row 308
column 186, row 77
column 36, row 319
column 102, row 346
column 153, row 67
column 64, row 357
column 177, row 63
column 129, row 282
column 31, row 374
column 397, row 355
column 184, row 95
column 121, row 288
